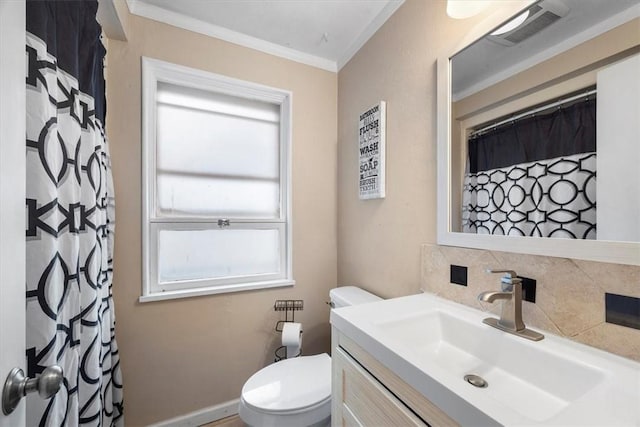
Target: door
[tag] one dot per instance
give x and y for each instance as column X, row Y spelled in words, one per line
column 12, row 196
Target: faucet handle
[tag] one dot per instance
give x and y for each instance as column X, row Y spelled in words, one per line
column 508, row 273
column 510, row 277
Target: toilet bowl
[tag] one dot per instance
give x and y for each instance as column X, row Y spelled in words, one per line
column 296, row 392
column 293, row 392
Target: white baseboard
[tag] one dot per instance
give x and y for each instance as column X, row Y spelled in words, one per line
column 202, row 416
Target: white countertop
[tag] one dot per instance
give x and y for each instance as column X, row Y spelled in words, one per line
column 553, row 382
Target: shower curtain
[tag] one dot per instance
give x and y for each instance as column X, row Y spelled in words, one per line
column 535, row 176
column 70, row 221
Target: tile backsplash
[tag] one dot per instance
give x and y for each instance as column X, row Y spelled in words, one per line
column 570, row 293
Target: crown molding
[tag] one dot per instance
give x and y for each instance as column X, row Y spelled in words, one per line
column 368, row 32
column 159, row 14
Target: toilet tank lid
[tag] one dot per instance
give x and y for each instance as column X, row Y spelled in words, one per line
column 346, row 296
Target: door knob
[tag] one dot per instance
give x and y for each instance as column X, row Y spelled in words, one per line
column 17, row 386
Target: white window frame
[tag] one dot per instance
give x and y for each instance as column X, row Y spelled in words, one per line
column 153, row 72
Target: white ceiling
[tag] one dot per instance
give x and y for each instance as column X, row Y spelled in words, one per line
column 321, row 33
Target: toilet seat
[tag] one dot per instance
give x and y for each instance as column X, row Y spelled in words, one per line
column 291, row 392
column 290, row 385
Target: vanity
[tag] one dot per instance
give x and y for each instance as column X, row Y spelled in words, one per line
column 405, row 361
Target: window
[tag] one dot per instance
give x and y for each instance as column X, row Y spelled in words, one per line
column 216, row 171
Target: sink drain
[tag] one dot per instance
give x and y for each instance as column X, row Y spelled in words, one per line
column 476, row 380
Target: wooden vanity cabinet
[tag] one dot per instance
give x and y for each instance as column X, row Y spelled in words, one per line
column 365, row 393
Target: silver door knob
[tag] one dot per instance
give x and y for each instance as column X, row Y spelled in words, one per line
column 17, row 386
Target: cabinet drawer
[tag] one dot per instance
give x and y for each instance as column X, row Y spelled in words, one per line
column 419, row 405
column 365, row 401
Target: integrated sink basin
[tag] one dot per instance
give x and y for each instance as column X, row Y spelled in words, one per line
column 432, row 344
column 534, row 382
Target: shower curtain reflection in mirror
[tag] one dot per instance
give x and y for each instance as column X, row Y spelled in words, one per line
column 534, row 175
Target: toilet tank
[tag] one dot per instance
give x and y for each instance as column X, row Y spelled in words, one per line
column 345, row 296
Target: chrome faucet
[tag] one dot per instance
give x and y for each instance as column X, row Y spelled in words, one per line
column 511, row 315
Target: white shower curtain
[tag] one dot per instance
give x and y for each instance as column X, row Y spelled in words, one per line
column 70, row 222
column 547, row 198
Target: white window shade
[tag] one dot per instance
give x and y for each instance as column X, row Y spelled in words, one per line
column 181, row 195
column 202, row 99
column 216, row 155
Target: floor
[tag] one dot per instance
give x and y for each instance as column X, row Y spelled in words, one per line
column 233, row 421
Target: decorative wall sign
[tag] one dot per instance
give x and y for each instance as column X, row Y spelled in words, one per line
column 372, row 152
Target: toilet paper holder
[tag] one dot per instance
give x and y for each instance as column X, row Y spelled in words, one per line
column 281, row 354
column 289, row 307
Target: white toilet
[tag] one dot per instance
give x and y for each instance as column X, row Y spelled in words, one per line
column 296, row 392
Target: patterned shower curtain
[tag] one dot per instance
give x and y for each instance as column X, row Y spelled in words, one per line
column 535, row 176
column 70, row 221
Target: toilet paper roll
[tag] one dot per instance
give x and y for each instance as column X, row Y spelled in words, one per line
column 292, row 338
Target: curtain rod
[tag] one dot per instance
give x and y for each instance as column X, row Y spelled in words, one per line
column 532, row 111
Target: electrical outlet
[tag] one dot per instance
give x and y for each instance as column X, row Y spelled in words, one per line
column 528, row 289
column 622, row 310
column 458, row 275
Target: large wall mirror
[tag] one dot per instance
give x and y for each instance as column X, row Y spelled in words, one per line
column 539, row 132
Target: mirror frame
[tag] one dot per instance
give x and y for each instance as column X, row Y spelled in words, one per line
column 592, row 250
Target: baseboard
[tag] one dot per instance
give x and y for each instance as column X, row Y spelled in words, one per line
column 202, row 416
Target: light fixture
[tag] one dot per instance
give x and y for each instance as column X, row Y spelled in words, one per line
column 461, row 9
column 514, row 23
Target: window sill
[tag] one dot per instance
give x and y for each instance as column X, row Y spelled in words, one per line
column 195, row 292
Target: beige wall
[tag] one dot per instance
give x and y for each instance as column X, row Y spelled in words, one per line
column 182, row 355
column 379, row 240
